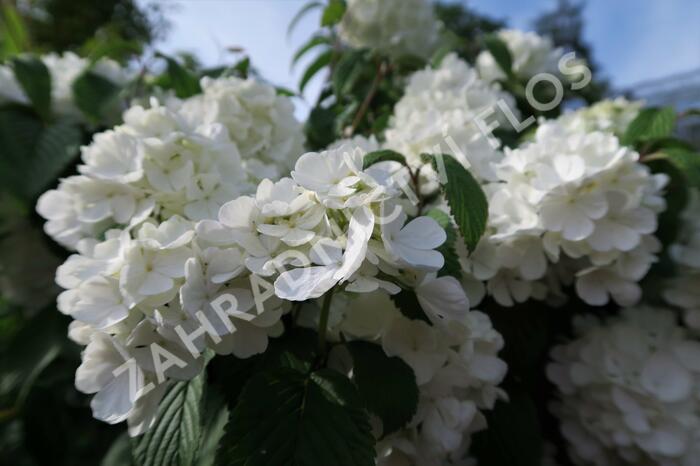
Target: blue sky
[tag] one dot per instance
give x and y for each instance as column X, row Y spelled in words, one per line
column 633, row 40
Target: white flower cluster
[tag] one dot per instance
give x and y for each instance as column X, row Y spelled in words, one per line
column 440, row 112
column 531, row 54
column 611, row 115
column 683, row 290
column 184, row 158
column 628, row 390
column 168, row 291
column 569, row 207
column 64, row 69
column 394, row 27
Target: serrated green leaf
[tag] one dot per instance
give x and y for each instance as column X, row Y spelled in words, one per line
column 347, row 71
column 315, row 41
column 333, row 12
column 93, row 94
column 384, row 155
column 513, row 436
column 35, row 79
column 183, row 82
column 688, row 162
column 465, row 197
column 174, row 438
column 301, row 13
column 317, row 65
column 651, row 123
column 387, row 384
column 289, row 417
column 58, row 146
column 119, row 453
column 500, row 53
column 407, row 302
column 447, row 249
column 216, row 414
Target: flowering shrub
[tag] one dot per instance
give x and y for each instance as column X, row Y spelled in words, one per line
column 385, row 283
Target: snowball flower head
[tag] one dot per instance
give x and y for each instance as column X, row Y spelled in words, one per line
column 626, row 390
column 394, row 27
column 612, row 115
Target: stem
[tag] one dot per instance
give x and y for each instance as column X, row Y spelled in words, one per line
column 381, row 70
column 323, row 323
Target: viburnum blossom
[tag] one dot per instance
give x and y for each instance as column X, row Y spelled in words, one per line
column 531, row 54
column 394, row 27
column 627, row 390
column 440, row 112
column 63, row 69
column 182, row 158
column 571, row 206
column 612, row 115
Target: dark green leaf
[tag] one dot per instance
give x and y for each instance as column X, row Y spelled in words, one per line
column 387, row 384
column 285, row 92
column 382, row 156
column 183, row 82
column 447, row 249
column 465, row 197
column 407, row 302
column 242, row 67
column 303, row 12
column 57, row 148
column 333, row 12
column 315, row 41
column 513, row 436
column 347, row 71
column 35, row 79
column 119, row 454
column 500, row 53
column 688, row 162
column 651, row 123
column 294, row 418
column 19, row 132
column 93, row 94
column 174, row 438
column 216, row 415
column 317, row 65
column 319, row 128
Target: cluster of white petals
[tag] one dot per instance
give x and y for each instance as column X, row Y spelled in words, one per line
column 445, row 110
column 570, row 207
column 64, row 69
column 628, row 390
column 611, row 115
column 182, row 158
column 530, row 53
column 682, row 290
column 394, row 27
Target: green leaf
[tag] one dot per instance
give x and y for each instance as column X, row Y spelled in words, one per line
column 387, row 385
column 94, row 94
column 35, row 79
column 315, row 41
column 465, row 197
column 500, row 53
column 347, row 71
column 15, row 39
column 688, row 162
column 216, row 415
column 289, row 417
column 651, row 123
column 447, row 249
column 676, row 196
column 407, row 302
column 182, row 81
column 317, row 65
column 19, row 132
column 58, row 146
column 174, row 438
column 513, row 436
column 119, row 453
column 382, row 156
column 333, row 12
column 301, row 13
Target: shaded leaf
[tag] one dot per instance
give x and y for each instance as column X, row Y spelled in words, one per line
column 383, row 155
column 93, row 94
column 333, row 12
column 500, row 53
column 407, row 302
column 447, row 249
column 35, row 79
column 182, row 81
column 651, row 123
column 317, row 65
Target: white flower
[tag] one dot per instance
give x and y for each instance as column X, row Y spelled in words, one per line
column 394, row 27
column 531, row 54
column 607, row 115
column 413, row 243
column 626, row 390
column 441, row 110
